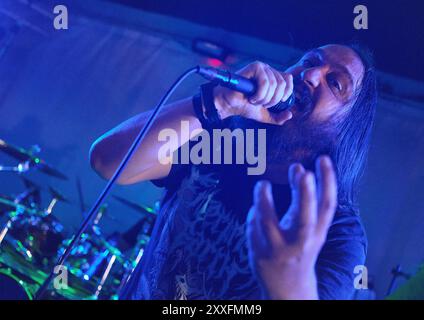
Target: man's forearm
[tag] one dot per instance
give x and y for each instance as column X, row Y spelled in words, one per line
column 108, row 150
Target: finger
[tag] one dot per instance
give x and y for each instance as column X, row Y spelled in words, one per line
column 296, row 171
column 264, row 204
column 307, row 205
column 288, row 79
column 279, row 89
column 272, row 85
column 327, row 193
column 262, row 81
column 255, row 241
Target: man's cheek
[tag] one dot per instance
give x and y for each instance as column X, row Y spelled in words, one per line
column 323, row 110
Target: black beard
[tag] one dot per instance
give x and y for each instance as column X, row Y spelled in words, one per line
column 298, row 140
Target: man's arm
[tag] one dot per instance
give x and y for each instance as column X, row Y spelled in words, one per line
column 283, row 254
column 108, row 151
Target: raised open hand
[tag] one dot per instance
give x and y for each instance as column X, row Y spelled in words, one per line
column 283, row 254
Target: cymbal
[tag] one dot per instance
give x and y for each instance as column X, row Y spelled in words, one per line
column 112, row 249
column 32, row 191
column 140, row 208
column 5, row 206
column 25, row 155
column 9, row 205
column 16, row 152
column 55, row 194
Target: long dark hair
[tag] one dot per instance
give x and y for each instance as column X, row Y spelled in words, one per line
column 350, row 151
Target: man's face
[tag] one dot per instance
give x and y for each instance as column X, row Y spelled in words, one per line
column 325, row 82
column 327, row 78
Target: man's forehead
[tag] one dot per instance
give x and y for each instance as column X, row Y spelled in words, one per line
column 343, row 56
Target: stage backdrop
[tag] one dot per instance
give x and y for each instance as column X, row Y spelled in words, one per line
column 61, row 89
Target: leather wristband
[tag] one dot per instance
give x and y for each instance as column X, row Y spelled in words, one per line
column 198, row 110
column 213, row 119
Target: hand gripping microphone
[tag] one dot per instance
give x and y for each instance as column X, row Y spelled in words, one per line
column 240, row 84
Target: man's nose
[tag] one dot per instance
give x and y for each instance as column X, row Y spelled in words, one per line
column 314, row 75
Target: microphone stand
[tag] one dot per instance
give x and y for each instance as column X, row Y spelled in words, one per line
column 94, row 209
column 396, row 273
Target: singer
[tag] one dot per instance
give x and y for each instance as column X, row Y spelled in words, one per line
column 293, row 232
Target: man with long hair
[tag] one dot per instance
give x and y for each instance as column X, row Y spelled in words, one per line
column 293, row 232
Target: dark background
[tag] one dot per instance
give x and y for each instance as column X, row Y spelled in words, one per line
column 395, row 28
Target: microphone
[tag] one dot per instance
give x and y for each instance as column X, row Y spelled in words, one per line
column 240, row 84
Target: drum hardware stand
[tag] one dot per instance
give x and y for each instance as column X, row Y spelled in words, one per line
column 147, row 225
column 105, row 276
column 20, row 168
column 98, row 217
column 56, row 197
column 100, row 213
column 51, row 205
column 12, row 217
column 16, row 243
column 396, row 273
column 125, row 278
column 105, row 192
column 80, row 197
column 25, row 195
column 5, row 229
column 131, row 267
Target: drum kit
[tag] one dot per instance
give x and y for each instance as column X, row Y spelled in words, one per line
column 32, row 239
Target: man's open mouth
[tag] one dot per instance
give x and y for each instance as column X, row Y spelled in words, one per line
column 303, row 97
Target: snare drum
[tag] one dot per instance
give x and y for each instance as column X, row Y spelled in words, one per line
column 39, row 238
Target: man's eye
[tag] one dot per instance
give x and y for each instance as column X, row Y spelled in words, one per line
column 334, row 83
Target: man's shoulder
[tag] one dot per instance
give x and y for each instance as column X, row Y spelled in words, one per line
column 347, row 225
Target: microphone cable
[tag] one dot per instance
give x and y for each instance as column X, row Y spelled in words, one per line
column 43, row 288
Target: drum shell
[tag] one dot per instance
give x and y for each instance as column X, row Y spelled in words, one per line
column 13, row 288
